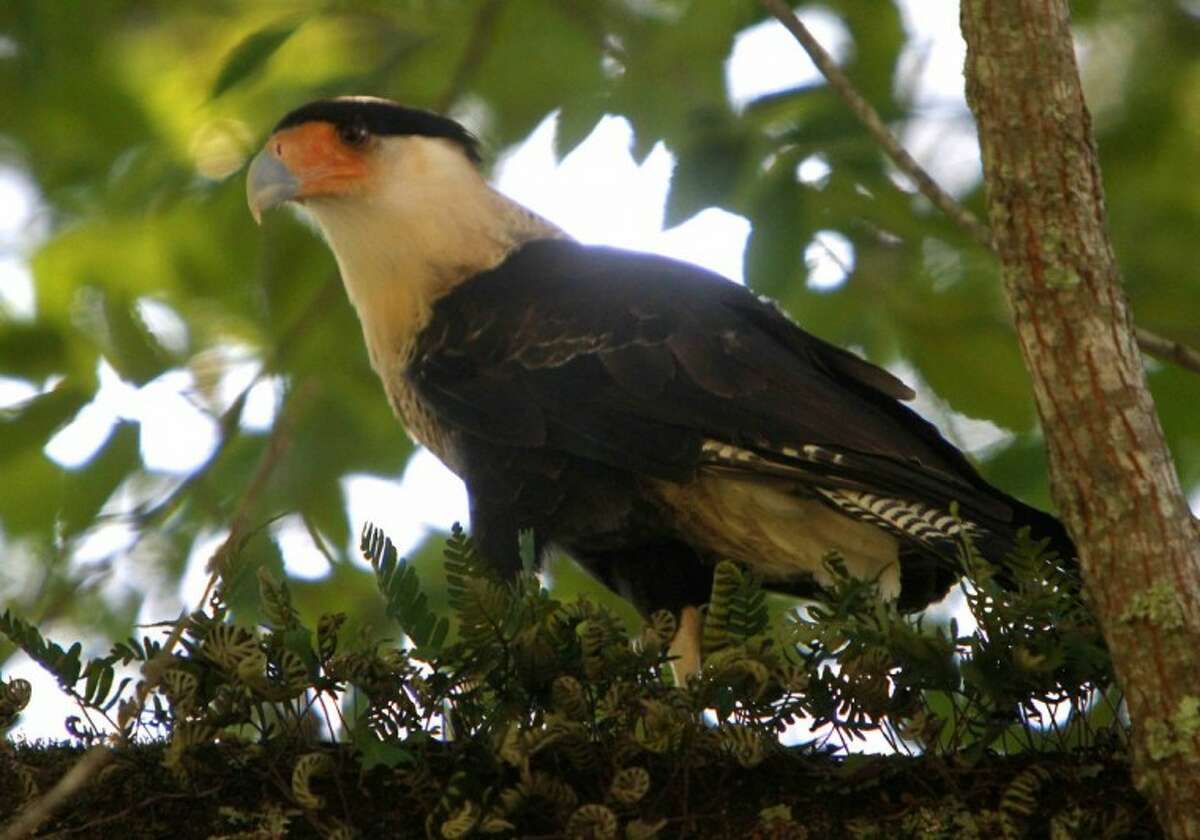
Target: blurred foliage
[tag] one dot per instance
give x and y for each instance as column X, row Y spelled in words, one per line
column 132, row 119
column 545, row 717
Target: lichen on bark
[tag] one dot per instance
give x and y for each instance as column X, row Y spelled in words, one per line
column 1111, row 473
column 1158, row 604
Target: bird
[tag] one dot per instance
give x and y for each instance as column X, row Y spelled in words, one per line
column 644, row 415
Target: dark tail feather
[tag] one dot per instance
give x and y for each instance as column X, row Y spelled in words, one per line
column 1000, row 544
column 1044, row 526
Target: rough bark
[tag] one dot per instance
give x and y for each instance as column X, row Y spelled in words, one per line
column 1112, row 475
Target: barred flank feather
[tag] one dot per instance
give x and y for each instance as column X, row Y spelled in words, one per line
column 931, row 526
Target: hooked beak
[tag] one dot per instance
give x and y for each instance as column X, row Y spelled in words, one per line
column 269, row 183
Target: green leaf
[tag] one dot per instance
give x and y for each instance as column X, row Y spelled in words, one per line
column 878, row 33
column 774, row 252
column 376, row 752
column 1001, row 391
column 684, row 54
column 104, row 685
column 577, row 118
column 241, row 579
column 709, row 169
column 29, row 507
column 29, row 425
column 407, row 604
column 90, row 486
column 32, row 350
column 528, row 84
column 132, row 349
column 68, row 666
column 250, row 55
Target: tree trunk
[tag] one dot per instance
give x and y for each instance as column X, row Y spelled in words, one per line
column 1112, row 475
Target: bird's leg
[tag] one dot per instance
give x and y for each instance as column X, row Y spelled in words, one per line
column 685, row 647
column 496, row 538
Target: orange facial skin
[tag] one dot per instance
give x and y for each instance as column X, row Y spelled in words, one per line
column 324, row 164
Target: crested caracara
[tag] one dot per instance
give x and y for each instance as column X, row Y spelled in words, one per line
column 647, row 416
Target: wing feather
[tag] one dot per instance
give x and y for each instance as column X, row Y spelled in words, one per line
column 636, row 361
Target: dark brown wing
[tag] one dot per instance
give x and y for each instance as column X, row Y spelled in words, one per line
column 635, row 361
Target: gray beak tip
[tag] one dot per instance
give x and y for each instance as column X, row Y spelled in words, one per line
column 269, row 183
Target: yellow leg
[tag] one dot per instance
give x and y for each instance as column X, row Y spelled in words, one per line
column 685, row 647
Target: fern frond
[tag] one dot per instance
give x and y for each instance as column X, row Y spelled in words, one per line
column 629, row 785
column 593, row 820
column 63, row 664
column 66, row 665
column 307, row 768
column 463, row 566
column 14, row 696
column 1020, row 801
column 483, row 604
column 407, row 605
column 737, row 610
column 276, row 601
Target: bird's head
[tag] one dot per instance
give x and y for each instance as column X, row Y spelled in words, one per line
column 399, row 196
column 331, row 152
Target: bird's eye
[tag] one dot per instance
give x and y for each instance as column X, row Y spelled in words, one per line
column 353, row 134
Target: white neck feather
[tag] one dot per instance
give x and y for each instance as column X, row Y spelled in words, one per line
column 429, row 222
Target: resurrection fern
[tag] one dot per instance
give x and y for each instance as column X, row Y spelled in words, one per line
column 98, row 674
column 1036, row 646
column 276, row 601
column 63, row 664
column 407, row 605
column 546, row 717
column 14, row 697
column 1020, row 801
column 308, row 767
column 483, row 605
column 926, row 686
column 465, row 570
column 737, row 610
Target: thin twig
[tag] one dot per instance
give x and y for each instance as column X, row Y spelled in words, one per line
column 874, row 125
column 277, row 444
column 1167, row 350
column 1151, row 343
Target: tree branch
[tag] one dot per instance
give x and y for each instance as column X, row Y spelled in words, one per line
column 870, row 118
column 36, row 812
column 1167, row 350
column 1111, row 472
column 1151, row 343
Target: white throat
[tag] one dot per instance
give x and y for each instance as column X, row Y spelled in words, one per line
column 429, row 222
